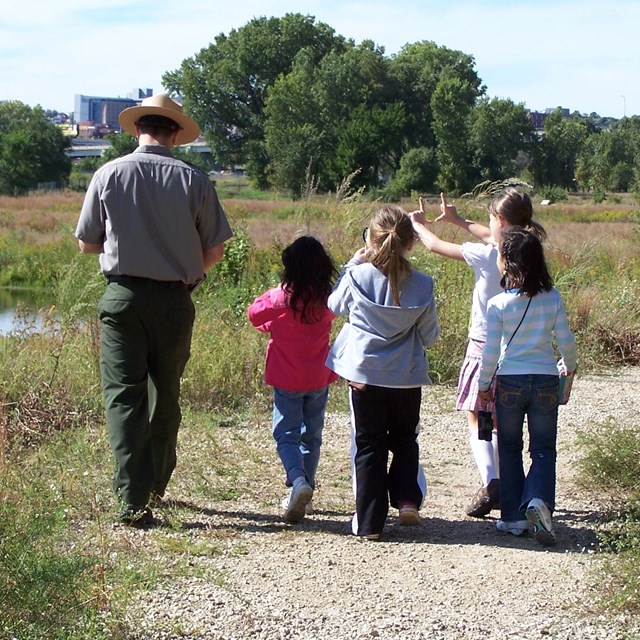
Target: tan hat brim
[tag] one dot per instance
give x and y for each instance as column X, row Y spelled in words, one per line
column 189, row 130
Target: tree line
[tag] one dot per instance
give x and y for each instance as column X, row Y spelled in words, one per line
column 292, row 102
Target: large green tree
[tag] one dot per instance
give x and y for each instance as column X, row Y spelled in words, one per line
column 333, row 119
column 418, row 69
column 225, row 85
column 451, row 109
column 500, row 131
column 32, row 149
column 418, row 172
column 295, row 132
column 555, row 156
column 610, row 160
column 367, row 142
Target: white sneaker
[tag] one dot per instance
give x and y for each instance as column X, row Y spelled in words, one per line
column 301, row 494
column 539, row 516
column 517, row 528
column 308, row 510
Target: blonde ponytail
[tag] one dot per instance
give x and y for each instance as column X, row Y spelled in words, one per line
column 390, row 236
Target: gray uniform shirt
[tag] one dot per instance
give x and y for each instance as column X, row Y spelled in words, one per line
column 154, row 216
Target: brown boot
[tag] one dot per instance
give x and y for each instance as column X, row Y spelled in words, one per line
column 485, row 499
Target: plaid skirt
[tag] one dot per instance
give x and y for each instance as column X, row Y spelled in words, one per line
column 467, row 398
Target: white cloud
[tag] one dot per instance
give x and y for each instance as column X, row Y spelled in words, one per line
column 582, row 55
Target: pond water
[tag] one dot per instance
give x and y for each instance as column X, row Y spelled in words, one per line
column 24, row 309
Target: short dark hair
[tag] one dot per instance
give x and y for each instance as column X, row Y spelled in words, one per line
column 153, row 122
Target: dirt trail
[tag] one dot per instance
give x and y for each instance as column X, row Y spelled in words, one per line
column 451, row 578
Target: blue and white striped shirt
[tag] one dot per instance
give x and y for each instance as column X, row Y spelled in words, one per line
column 531, row 350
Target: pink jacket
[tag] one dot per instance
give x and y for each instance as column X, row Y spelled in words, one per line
column 296, row 351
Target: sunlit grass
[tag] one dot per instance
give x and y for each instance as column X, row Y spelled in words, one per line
column 51, row 419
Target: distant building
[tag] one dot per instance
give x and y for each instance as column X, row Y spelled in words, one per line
column 538, row 117
column 140, row 94
column 103, row 111
column 565, row 112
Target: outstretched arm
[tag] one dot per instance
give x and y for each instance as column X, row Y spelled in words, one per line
column 430, row 239
column 450, row 214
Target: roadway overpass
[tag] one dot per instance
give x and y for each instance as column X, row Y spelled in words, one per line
column 81, row 148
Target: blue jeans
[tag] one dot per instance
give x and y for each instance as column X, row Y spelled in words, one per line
column 536, row 397
column 298, row 419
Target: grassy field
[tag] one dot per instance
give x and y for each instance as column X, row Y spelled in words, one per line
column 55, row 503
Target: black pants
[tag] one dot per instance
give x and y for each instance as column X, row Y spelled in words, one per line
column 385, row 421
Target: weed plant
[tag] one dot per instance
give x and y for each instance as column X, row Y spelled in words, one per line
column 610, row 465
column 62, row 576
column 33, row 266
column 46, row 592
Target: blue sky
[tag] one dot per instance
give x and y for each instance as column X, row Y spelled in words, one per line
column 582, row 55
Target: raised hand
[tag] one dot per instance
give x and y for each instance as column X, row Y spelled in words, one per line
column 362, row 254
column 419, row 215
column 449, row 212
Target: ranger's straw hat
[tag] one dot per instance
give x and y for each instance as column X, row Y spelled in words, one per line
column 160, row 105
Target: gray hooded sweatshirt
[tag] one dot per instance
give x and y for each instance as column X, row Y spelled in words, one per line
column 383, row 344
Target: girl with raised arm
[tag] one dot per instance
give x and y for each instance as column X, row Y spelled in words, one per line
column 509, row 208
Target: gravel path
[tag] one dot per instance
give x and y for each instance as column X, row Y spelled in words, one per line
column 252, row 576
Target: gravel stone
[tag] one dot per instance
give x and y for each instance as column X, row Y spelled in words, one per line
column 451, row 578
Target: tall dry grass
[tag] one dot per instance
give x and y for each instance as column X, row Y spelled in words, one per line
column 55, row 498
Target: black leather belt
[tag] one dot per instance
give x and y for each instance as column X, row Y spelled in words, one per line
column 122, row 279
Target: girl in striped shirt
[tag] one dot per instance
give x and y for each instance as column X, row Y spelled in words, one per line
column 522, row 321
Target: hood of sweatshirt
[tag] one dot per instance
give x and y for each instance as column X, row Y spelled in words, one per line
column 373, row 296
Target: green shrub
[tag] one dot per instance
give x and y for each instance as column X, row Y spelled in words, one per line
column 25, row 265
column 610, row 467
column 599, row 195
column 552, row 193
column 611, row 457
column 48, row 591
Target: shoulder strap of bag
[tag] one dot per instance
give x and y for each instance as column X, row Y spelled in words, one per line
column 511, row 338
column 519, row 323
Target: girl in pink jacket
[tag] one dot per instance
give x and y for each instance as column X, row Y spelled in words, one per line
column 295, row 314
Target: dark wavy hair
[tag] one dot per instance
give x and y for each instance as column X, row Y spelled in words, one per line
column 308, row 276
column 525, row 268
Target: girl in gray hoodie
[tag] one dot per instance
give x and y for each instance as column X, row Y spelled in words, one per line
column 392, row 317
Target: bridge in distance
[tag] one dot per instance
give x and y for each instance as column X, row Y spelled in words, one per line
column 97, row 148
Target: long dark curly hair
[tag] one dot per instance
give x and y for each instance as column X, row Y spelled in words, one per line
column 308, row 276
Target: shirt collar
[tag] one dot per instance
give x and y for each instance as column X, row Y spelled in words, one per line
column 154, row 148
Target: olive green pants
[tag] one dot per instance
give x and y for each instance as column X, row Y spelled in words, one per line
column 144, row 347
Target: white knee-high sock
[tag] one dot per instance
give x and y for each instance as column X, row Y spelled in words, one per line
column 485, row 454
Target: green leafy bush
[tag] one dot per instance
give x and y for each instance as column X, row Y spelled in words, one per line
column 552, row 193
column 610, row 466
